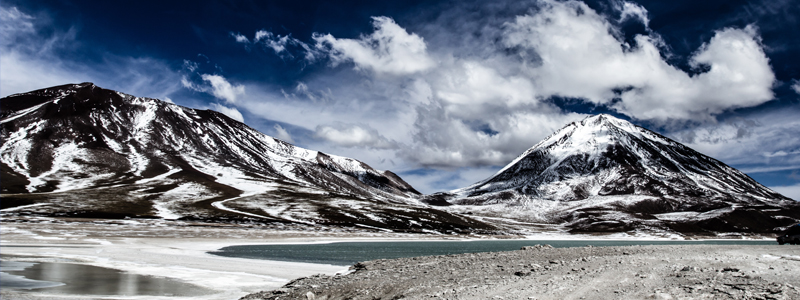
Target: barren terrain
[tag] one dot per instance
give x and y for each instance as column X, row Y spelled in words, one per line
column 632, row 272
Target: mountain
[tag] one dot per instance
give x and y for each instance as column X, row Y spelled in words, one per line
column 83, row 151
column 606, row 174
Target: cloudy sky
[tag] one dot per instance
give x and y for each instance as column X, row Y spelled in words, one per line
column 444, row 93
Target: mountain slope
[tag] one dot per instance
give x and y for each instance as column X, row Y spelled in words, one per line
column 82, row 150
column 606, row 174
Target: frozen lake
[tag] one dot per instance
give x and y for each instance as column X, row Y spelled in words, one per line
column 77, row 279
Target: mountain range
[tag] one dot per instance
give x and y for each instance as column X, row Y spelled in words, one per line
column 79, row 150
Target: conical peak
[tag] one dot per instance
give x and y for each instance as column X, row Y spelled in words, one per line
column 597, row 122
column 593, row 133
column 600, row 119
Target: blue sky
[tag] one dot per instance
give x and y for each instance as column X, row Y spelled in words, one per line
column 444, row 93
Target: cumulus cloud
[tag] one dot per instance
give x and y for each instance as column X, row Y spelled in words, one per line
column 796, row 86
column 390, row 49
column 629, row 10
column 275, row 42
column 282, row 134
column 231, row 112
column 469, row 85
column 581, row 58
column 353, row 135
column 467, row 91
column 444, row 140
column 221, row 88
column 240, row 38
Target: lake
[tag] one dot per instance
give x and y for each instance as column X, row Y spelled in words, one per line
column 349, row 253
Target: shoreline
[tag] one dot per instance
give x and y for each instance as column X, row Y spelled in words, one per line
column 156, row 248
column 142, row 249
column 185, row 261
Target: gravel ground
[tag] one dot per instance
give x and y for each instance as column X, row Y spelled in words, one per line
column 542, row 272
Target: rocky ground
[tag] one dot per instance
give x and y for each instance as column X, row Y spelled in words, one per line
column 542, row 272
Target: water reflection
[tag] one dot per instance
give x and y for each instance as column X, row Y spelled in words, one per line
column 90, row 280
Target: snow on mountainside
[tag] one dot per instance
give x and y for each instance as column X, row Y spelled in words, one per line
column 80, row 150
column 606, row 174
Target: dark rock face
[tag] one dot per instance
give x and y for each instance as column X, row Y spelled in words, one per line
column 606, row 174
column 82, row 149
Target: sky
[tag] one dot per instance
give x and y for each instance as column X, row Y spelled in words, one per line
column 443, row 93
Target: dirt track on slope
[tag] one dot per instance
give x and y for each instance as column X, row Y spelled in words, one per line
column 632, row 272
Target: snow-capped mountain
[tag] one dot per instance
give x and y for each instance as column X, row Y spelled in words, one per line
column 81, row 150
column 606, row 174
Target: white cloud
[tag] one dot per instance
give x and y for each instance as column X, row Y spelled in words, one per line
column 14, row 23
column 629, row 10
column 282, row 134
column 580, row 57
column 796, row 86
column 353, row 135
column 444, row 140
column 231, row 112
column 791, row 191
column 262, row 34
column 766, row 141
column 221, row 88
column 281, row 44
column 240, row 38
column 780, row 153
column 390, row 49
column 26, row 64
column 189, row 65
column 465, row 112
column 20, row 74
column 275, row 42
column 474, row 91
column 767, row 169
column 471, row 84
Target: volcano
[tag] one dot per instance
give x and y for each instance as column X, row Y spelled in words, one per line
column 605, row 174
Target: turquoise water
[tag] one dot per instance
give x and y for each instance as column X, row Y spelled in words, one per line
column 348, row 253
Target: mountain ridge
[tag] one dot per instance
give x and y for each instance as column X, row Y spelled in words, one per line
column 142, row 157
column 79, row 150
